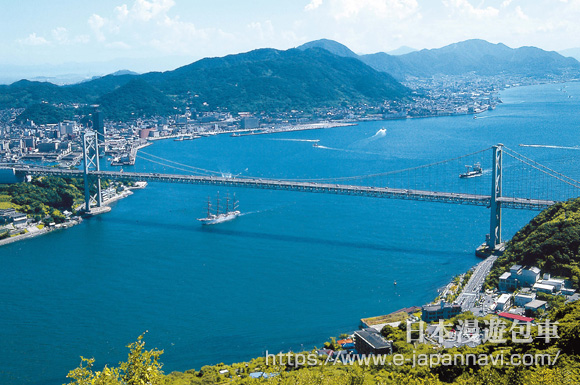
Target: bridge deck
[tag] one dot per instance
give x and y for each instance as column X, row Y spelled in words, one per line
column 273, row 184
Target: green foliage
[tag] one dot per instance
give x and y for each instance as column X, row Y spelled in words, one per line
column 47, row 196
column 333, row 345
column 142, row 367
column 135, row 99
column 551, row 241
column 260, row 80
column 272, row 80
column 44, row 113
column 569, row 328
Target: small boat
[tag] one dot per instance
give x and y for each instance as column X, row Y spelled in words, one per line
column 178, row 139
column 315, row 145
column 472, row 171
column 226, row 215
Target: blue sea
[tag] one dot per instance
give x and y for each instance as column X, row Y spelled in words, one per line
column 292, row 271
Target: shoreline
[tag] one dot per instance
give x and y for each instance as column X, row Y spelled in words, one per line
column 45, row 230
column 128, row 191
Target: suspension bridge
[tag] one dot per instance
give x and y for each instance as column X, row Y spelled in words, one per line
column 530, row 185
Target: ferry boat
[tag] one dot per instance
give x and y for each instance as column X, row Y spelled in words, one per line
column 472, row 171
column 226, row 215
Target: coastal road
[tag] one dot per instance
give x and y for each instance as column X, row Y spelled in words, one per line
column 470, row 294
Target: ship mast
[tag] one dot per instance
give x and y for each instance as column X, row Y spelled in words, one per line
column 208, row 207
column 217, row 209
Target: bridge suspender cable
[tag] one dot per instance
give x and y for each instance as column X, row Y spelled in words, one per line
column 337, row 179
column 544, row 169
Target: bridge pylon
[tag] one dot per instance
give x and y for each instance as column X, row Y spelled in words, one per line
column 91, row 162
column 494, row 241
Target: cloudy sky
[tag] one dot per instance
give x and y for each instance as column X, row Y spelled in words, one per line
column 164, row 34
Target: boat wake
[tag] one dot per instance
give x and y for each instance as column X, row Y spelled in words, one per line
column 349, row 151
column 548, row 146
column 297, row 140
column 380, row 133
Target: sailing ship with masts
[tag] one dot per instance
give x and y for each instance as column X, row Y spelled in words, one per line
column 227, row 214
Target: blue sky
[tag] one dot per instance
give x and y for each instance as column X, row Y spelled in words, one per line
column 164, row 34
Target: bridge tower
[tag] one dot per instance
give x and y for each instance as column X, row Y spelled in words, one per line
column 91, row 160
column 494, row 240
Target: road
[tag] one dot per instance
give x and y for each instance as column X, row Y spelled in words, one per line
column 471, row 292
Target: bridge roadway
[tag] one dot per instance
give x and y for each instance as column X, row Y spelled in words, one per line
column 274, row 184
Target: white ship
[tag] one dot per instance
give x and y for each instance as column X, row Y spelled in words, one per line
column 218, row 217
column 472, row 171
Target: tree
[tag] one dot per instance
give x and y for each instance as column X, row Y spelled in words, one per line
column 141, row 368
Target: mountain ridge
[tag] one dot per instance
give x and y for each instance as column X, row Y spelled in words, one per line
column 319, row 74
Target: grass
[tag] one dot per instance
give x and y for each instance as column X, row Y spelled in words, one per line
column 393, row 317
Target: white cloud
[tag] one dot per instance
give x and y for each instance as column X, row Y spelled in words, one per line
column 395, row 9
column 506, row 3
column 122, row 12
column 97, row 23
column 60, row 35
column 313, row 5
column 34, row 40
column 521, row 13
column 265, row 30
column 146, row 10
column 466, row 8
column 172, row 35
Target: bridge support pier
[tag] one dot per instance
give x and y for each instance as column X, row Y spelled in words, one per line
column 91, row 162
column 494, row 241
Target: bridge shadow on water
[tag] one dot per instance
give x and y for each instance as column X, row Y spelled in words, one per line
column 215, row 229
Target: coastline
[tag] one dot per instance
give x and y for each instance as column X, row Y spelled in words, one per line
column 43, row 231
column 128, row 191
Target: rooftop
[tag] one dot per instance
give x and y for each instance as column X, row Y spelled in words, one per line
column 535, row 304
column 373, row 338
column 511, row 316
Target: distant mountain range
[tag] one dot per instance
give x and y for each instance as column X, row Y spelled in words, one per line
column 571, row 52
column 401, row 51
column 476, row 56
column 322, row 73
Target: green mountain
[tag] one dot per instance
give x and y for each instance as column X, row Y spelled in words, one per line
column 44, row 113
column 403, row 50
column 260, row 80
column 134, row 99
column 475, row 56
column 25, row 93
column 322, row 73
column 551, row 241
column 268, row 79
column 330, row 46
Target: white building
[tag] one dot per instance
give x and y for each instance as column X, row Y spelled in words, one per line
column 544, row 288
column 521, row 299
column 504, row 302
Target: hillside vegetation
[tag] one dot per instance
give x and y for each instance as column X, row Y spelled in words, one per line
column 551, row 241
column 144, row 366
column 260, row 80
